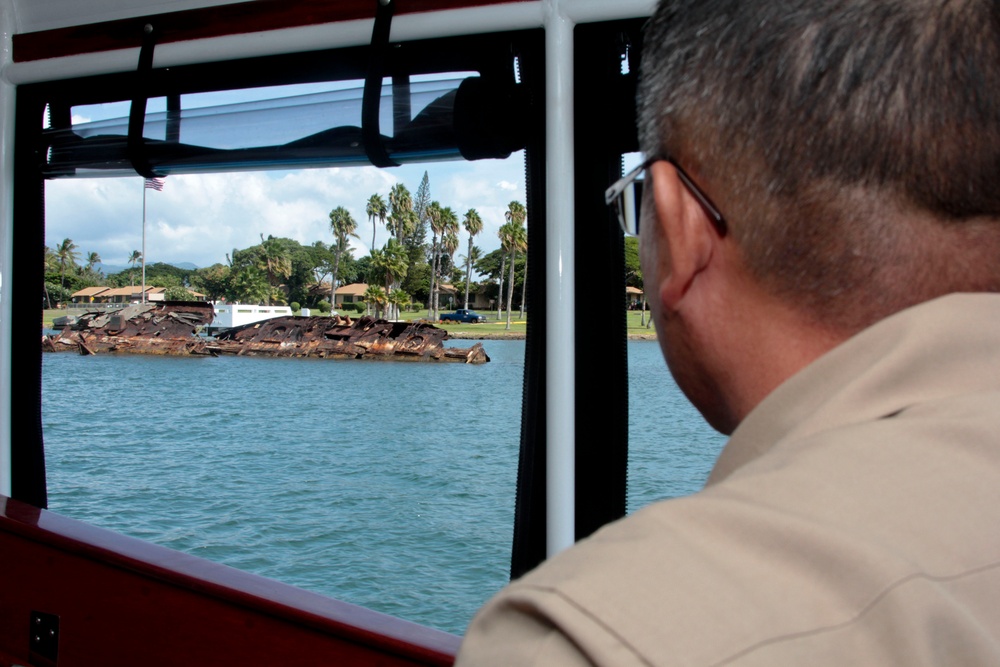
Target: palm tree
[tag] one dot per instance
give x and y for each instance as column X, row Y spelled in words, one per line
column 449, row 244
column 399, row 299
column 514, row 239
column 473, row 224
column 375, row 297
column 249, row 284
column 516, row 214
column 433, row 214
column 393, row 265
column 400, row 219
column 275, row 261
column 500, row 277
column 376, row 262
column 343, row 226
column 50, row 264
column 376, row 209
column 134, row 259
column 66, row 255
column 475, row 254
column 92, row 259
column 448, row 229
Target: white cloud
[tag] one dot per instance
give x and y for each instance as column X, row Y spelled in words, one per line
column 200, row 218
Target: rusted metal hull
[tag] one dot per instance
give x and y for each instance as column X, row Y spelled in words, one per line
column 171, row 329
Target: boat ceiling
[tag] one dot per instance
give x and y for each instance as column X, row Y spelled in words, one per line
column 42, row 32
column 38, row 15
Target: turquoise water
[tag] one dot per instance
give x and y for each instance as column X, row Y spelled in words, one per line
column 389, row 485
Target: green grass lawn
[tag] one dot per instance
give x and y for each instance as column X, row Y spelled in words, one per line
column 49, row 315
column 518, row 326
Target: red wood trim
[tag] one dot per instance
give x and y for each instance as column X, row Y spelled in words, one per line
column 58, row 565
column 234, row 19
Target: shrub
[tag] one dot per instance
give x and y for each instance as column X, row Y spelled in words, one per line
column 324, row 306
column 294, row 305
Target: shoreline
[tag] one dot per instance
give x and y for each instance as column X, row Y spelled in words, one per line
column 514, row 335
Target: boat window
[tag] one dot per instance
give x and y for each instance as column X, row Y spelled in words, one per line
column 389, row 485
column 386, row 484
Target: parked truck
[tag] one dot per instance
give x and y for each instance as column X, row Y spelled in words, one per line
column 463, row 315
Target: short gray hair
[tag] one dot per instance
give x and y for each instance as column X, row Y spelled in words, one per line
column 823, row 124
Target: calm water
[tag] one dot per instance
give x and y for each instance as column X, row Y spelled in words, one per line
column 389, row 485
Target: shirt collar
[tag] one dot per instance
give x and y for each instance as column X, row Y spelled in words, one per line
column 935, row 349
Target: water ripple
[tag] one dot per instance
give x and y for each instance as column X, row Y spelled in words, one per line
column 386, row 485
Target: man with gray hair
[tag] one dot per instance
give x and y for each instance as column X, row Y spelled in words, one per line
column 820, row 238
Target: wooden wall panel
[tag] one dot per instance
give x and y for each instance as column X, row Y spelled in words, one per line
column 122, row 601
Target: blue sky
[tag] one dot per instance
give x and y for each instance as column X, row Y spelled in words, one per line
column 199, row 218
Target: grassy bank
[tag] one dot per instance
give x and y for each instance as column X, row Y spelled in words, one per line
column 489, row 329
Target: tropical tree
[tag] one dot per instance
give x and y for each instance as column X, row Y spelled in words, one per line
column 513, row 239
column 249, row 284
column 177, row 293
column 475, row 254
column 433, row 213
column 66, row 256
column 633, row 272
column 400, row 218
column 447, row 230
column 343, row 227
column 517, row 214
column 92, row 260
column 376, row 298
column 51, row 263
column 276, row 262
column 213, row 281
column 473, row 224
column 418, row 281
column 503, row 269
column 390, row 265
column 134, row 259
column 422, row 199
column 376, row 209
column 449, row 244
column 398, row 299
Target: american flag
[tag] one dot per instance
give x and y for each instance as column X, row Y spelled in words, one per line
column 155, row 184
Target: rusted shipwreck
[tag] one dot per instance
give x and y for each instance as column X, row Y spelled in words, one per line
column 171, row 328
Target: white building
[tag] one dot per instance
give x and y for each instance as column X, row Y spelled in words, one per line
column 231, row 315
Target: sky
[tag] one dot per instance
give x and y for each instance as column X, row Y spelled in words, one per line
column 199, row 218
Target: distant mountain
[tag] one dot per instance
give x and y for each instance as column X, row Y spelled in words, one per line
column 108, row 269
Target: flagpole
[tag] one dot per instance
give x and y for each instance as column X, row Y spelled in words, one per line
column 144, row 241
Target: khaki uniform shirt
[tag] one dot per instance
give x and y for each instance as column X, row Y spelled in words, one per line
column 852, row 519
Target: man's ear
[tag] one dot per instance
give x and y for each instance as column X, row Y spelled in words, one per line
column 687, row 234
